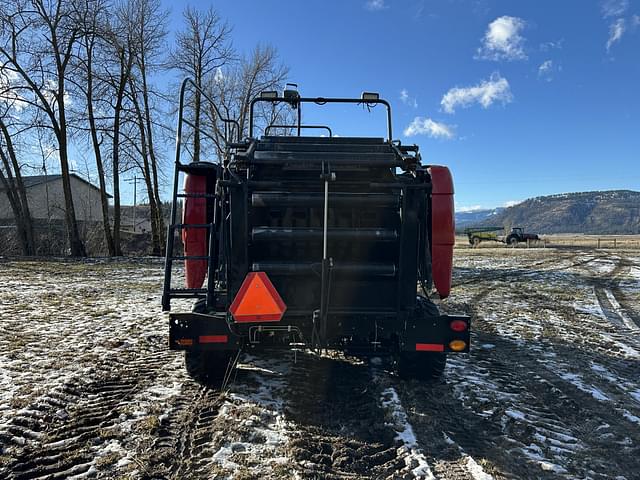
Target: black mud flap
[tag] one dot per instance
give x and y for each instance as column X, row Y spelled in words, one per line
column 437, row 334
column 199, row 331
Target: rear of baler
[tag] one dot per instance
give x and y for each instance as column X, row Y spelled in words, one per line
column 314, row 242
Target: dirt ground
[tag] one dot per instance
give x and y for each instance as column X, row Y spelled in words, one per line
column 551, row 388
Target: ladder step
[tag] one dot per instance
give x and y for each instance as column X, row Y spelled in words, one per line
column 190, row 225
column 190, row 257
column 196, row 195
column 198, row 168
column 187, row 293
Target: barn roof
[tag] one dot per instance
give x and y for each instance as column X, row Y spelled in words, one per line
column 33, row 180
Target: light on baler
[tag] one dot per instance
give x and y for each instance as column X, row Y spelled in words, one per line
column 458, row 325
column 457, row 345
column 371, row 96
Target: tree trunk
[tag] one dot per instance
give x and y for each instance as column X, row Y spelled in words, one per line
column 125, row 72
column 152, row 157
column 75, row 242
column 22, row 214
column 116, row 178
column 156, row 242
column 21, row 227
column 106, row 224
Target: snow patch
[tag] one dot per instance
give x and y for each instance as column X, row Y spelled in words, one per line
column 476, row 471
column 577, row 381
column 391, row 402
column 630, row 324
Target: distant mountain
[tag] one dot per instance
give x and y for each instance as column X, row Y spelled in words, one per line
column 603, row 212
column 465, row 219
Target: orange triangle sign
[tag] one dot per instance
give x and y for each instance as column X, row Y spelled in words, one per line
column 257, row 300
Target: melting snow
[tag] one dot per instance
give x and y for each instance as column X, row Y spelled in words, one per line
column 391, row 402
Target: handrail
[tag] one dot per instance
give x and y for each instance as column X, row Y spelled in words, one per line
column 328, row 129
column 181, row 119
column 297, row 101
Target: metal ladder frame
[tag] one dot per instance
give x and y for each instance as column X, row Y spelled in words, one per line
column 167, row 292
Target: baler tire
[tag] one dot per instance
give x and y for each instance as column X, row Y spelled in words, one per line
column 208, row 367
column 422, row 365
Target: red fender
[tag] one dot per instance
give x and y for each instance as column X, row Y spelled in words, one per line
column 443, row 235
column 195, row 239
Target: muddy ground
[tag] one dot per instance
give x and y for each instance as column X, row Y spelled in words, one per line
column 550, row 390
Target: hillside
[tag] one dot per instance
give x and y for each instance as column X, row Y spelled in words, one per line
column 606, row 212
column 472, row 217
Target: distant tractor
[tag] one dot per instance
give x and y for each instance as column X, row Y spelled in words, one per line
column 484, row 234
column 517, row 235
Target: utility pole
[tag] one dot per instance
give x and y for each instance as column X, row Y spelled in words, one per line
column 134, row 180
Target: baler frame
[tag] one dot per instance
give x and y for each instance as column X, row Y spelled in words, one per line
column 231, row 195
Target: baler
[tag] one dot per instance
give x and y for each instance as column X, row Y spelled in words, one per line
column 312, row 242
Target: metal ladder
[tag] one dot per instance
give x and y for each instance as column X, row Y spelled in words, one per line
column 169, row 292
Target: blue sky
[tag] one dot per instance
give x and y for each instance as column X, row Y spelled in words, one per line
column 519, row 99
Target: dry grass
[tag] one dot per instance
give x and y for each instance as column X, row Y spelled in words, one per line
column 622, row 242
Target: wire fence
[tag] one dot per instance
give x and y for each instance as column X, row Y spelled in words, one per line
column 622, row 242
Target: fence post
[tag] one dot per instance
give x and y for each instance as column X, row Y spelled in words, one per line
column 598, row 243
column 614, row 242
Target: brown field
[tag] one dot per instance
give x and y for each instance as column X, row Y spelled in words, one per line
column 623, row 242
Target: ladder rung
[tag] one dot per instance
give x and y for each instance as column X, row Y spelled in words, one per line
column 190, row 257
column 187, row 292
column 196, row 195
column 191, row 225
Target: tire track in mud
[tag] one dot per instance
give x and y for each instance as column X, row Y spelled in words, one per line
column 340, row 424
column 521, row 419
column 58, row 435
column 520, row 270
column 182, row 446
column 540, row 394
column 614, row 304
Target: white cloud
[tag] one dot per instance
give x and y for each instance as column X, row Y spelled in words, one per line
column 502, row 40
column 553, row 45
column 547, row 69
column 9, row 96
column 218, row 77
column 430, row 128
column 616, row 30
column 614, row 8
column 496, row 89
column 511, row 203
column 407, row 99
column 635, row 20
column 375, row 5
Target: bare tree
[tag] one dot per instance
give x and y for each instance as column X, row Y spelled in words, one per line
column 37, row 42
column 202, row 48
column 10, row 168
column 236, row 87
column 11, row 181
column 116, row 71
column 156, row 239
column 95, row 30
column 149, row 38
